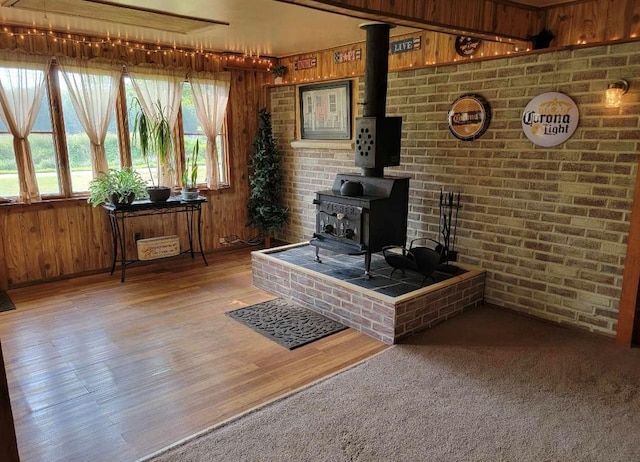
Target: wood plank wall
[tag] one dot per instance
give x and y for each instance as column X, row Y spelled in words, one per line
column 577, row 23
column 481, row 18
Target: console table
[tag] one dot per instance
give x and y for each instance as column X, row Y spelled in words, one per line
column 119, row 214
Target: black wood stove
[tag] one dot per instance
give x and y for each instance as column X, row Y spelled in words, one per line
column 362, row 213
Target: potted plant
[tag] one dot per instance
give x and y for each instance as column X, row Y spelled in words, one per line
column 190, row 174
column 265, row 209
column 278, row 71
column 117, row 186
column 154, row 134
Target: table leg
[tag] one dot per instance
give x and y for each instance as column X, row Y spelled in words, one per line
column 200, row 234
column 114, row 237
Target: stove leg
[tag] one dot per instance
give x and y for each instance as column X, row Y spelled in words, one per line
column 367, row 265
column 318, row 255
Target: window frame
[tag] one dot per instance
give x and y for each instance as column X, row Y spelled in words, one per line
column 54, row 99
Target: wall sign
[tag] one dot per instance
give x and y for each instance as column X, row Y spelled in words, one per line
column 346, row 56
column 550, row 119
column 405, row 45
column 469, row 117
column 302, row 64
column 466, row 46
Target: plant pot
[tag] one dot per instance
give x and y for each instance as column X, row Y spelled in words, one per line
column 190, row 194
column 158, row 193
column 118, row 202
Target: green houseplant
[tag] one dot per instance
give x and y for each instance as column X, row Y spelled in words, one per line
column 154, row 135
column 278, row 71
column 190, row 174
column 117, row 186
column 265, row 209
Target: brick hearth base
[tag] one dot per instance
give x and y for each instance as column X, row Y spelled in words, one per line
column 382, row 317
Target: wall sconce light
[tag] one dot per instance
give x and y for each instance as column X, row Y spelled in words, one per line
column 615, row 90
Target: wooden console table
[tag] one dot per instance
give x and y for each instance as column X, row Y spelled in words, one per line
column 119, row 215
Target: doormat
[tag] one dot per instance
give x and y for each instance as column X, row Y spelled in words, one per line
column 5, row 302
column 286, row 323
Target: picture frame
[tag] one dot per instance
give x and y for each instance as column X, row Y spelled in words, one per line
column 325, row 111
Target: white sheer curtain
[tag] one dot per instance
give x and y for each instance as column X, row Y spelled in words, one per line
column 93, row 88
column 22, row 84
column 210, row 97
column 159, row 91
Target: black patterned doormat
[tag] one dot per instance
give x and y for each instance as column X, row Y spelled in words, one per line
column 5, row 302
column 286, row 323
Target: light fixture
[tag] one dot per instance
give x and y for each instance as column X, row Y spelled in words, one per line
column 615, row 90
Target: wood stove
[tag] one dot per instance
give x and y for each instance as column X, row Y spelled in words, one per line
column 361, row 214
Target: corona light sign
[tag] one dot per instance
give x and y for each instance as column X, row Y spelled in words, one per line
column 550, row 119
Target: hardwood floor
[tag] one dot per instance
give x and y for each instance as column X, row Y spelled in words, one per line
column 103, row 370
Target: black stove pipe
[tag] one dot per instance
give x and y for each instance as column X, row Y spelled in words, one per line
column 375, row 78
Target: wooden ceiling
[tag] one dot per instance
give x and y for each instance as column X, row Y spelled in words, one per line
column 273, row 27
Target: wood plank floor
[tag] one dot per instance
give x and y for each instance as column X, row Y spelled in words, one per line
column 100, row 370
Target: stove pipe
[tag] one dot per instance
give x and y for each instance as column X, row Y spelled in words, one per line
column 377, row 137
column 376, row 69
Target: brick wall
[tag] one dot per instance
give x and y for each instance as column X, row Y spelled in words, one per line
column 548, row 224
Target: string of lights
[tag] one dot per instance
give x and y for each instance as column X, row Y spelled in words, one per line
column 131, row 46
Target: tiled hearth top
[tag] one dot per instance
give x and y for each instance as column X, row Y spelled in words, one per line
column 350, row 269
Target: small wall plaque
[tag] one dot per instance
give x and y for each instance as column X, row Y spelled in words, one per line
column 469, row 117
column 466, row 46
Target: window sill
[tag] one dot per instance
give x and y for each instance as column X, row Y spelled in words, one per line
column 345, row 145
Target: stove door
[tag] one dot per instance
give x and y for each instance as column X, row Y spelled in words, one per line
column 340, row 222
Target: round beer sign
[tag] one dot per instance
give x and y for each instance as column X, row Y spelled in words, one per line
column 550, row 119
column 469, row 117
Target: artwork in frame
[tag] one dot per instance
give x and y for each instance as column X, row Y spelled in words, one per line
column 325, row 111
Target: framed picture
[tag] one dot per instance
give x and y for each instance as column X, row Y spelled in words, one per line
column 325, row 111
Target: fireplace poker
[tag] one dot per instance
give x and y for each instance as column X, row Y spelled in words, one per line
column 455, row 227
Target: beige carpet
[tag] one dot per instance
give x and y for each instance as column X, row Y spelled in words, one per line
column 488, row 385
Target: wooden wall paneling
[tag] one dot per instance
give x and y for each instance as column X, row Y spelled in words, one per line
column 81, row 239
column 504, row 20
column 588, row 22
column 4, row 272
column 31, row 236
column 102, row 232
column 629, row 297
column 49, row 240
column 64, row 243
column 631, row 25
column 14, row 248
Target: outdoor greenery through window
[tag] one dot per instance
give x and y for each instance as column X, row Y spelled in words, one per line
column 193, row 131
column 78, row 143
column 42, row 144
column 75, row 149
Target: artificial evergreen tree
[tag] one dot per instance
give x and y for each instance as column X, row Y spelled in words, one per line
column 265, row 208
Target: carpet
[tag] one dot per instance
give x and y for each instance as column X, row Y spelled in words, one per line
column 6, row 304
column 286, row 323
column 487, row 385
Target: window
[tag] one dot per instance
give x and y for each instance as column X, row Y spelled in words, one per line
column 43, row 151
column 40, row 138
column 138, row 162
column 78, row 145
column 8, row 169
column 193, row 130
column 78, row 152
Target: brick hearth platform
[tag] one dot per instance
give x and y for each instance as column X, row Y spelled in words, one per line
column 383, row 308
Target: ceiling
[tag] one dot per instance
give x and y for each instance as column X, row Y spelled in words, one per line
column 255, row 27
